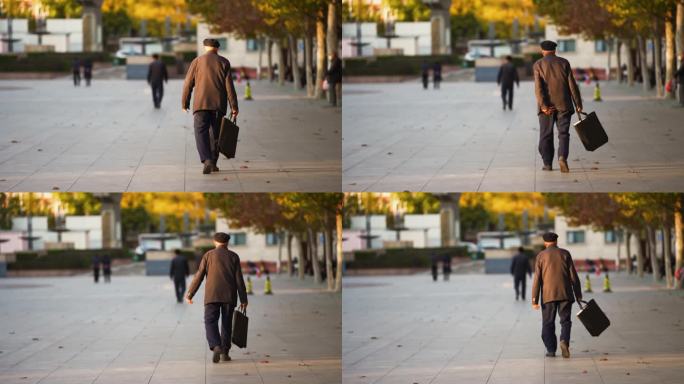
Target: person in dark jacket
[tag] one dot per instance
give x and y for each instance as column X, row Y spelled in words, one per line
column 434, row 259
column 334, row 78
column 446, row 266
column 224, row 285
column 436, row 74
column 556, row 91
column 425, row 75
column 679, row 76
column 556, row 279
column 87, row 71
column 520, row 266
column 76, row 71
column 156, row 77
column 107, row 268
column 178, row 273
column 508, row 75
column 210, row 77
column 96, row 268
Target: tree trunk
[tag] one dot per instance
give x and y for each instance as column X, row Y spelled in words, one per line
column 640, row 253
column 630, row 63
column 313, row 256
column 294, row 53
column 619, row 249
column 279, row 267
column 679, row 237
column 303, row 251
column 670, row 58
column 260, row 42
column 658, row 57
column 340, row 254
column 667, row 253
column 653, row 254
column 618, row 56
column 321, row 65
column 308, row 60
column 680, row 30
column 328, row 256
column 269, row 58
column 281, row 62
column 628, row 249
column 290, row 270
column 644, row 64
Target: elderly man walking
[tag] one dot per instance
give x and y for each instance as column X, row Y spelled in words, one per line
column 556, row 91
column 556, row 279
column 210, row 76
column 224, row 285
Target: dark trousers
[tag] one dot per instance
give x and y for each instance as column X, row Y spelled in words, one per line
column 157, row 94
column 96, row 274
column 77, row 79
column 426, row 81
column 206, row 134
column 681, row 94
column 549, row 323
column 507, row 95
column 519, row 283
column 211, row 320
column 546, row 147
column 334, row 90
column 107, row 272
column 179, row 285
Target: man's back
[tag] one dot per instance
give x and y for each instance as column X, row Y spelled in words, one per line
column 555, row 276
column 555, row 84
column 224, row 277
column 508, row 75
column 156, row 73
column 179, row 268
column 520, row 265
column 209, row 75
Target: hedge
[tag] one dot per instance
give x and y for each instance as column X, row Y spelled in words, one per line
column 47, row 61
column 393, row 65
column 63, row 258
column 402, row 257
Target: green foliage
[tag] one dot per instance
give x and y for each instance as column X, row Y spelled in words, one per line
column 402, row 257
column 10, row 206
column 392, row 65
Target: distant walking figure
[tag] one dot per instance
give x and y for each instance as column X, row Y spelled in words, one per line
column 556, row 279
column 96, row 267
column 334, row 78
column 210, row 76
column 437, row 74
column 520, row 266
column 224, row 285
column 680, row 81
column 107, row 268
column 76, row 71
column 178, row 273
column 434, row 266
column 87, row 71
column 425, row 75
column 156, row 77
column 508, row 75
column 556, row 91
column 446, row 266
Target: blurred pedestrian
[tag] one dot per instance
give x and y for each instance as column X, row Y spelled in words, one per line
column 520, row 267
column 436, row 74
column 508, row 75
column 107, row 268
column 434, row 259
column 446, row 267
column 224, row 285
column 88, row 70
column 179, row 271
column 556, row 91
column 76, row 71
column 210, row 76
column 556, row 279
column 96, row 267
column 679, row 76
column 425, row 75
column 156, row 77
column 334, row 78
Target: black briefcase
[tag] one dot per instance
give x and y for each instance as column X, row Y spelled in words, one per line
column 593, row 318
column 240, row 325
column 590, row 131
column 228, row 137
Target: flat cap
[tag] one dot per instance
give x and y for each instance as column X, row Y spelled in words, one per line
column 211, row 43
column 221, row 237
column 548, row 45
column 550, row 237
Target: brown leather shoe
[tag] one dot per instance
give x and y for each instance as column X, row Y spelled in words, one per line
column 207, row 167
column 565, row 349
column 563, row 165
column 225, row 357
column 547, row 168
column 217, row 354
column 214, row 168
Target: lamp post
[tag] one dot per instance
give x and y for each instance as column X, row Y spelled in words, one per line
column 9, row 39
column 358, row 44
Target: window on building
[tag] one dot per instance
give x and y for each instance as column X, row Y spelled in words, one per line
column 610, row 237
column 252, row 45
column 600, row 46
column 238, row 238
column 566, row 45
column 575, row 237
column 271, row 239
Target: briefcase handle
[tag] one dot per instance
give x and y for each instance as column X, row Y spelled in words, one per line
column 579, row 115
column 579, row 302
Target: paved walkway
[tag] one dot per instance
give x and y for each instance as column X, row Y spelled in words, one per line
column 69, row 330
column 109, row 138
column 471, row 330
column 398, row 137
